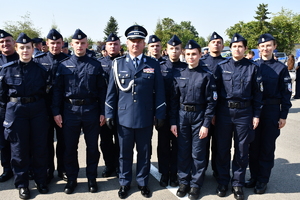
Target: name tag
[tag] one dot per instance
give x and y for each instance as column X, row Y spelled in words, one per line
column 149, row 70
column 70, row 66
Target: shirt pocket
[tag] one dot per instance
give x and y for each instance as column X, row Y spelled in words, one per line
column 14, row 81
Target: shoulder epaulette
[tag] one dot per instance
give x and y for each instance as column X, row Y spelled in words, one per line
column 205, row 68
column 66, row 58
column 224, row 61
column 40, row 54
column 253, row 62
column 120, row 57
column 100, row 58
column 10, row 63
column 162, row 62
column 42, row 66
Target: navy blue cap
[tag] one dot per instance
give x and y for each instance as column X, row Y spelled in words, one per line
column 54, row 35
column 192, row 44
column 4, row 34
column 43, row 43
column 23, row 39
column 174, row 41
column 205, row 49
column 215, row 36
column 237, row 38
column 103, row 47
column 37, row 40
column 136, row 32
column 153, row 39
column 121, row 49
column 265, row 38
column 66, row 45
column 79, row 35
column 112, row 37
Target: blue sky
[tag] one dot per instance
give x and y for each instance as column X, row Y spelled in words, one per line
column 91, row 16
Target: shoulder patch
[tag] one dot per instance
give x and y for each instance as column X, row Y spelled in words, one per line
column 224, row 61
column 118, row 58
column 10, row 63
column 40, row 54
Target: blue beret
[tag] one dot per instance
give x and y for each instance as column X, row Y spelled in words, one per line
column 136, row 32
column 54, row 35
column 4, row 34
column 66, row 45
column 23, row 39
column 215, row 36
column 103, row 47
column 265, row 38
column 237, row 38
column 192, row 44
column 79, row 35
column 112, row 37
column 153, row 39
column 174, row 41
column 37, row 40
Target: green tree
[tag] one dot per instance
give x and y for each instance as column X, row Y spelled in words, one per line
column 111, row 27
column 25, row 25
column 262, row 12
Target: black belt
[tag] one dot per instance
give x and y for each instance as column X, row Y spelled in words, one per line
column 292, row 71
column 236, row 104
column 23, row 100
column 191, row 108
column 271, row 101
column 80, row 102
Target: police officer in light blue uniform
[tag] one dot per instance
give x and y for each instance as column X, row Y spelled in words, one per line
column 81, row 88
column 167, row 142
column 192, row 107
column 277, row 90
column 109, row 137
column 237, row 115
column 135, row 95
column 8, row 54
column 211, row 60
column 50, row 61
column 23, row 88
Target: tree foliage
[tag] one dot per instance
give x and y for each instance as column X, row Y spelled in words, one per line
column 25, row 25
column 167, row 27
column 111, row 27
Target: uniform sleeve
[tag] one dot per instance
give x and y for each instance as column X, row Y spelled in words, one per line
column 257, row 93
column 3, row 89
column 175, row 98
column 160, row 102
column 286, row 92
column 111, row 96
column 101, row 85
column 211, row 98
column 58, row 92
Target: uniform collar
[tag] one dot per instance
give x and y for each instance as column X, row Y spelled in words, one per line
column 139, row 56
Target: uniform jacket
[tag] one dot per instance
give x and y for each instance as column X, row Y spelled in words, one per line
column 212, row 62
column 136, row 107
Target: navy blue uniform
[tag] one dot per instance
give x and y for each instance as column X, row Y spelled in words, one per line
column 4, row 144
column 193, row 103
column 109, row 137
column 276, row 99
column 238, row 84
column 26, row 121
column 297, row 90
column 133, row 106
column 51, row 62
column 167, row 142
column 211, row 63
column 81, row 87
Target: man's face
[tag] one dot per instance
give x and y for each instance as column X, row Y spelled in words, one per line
column 192, row 57
column 238, row 50
column 113, row 48
column 136, row 46
column 65, row 50
column 80, row 46
column 155, row 49
column 7, row 45
column 216, row 46
column 45, row 48
column 104, row 53
column 174, row 52
column 55, row 45
column 266, row 49
column 25, row 51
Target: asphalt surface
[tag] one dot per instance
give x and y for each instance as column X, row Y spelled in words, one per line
column 284, row 182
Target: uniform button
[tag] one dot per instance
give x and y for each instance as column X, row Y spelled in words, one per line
column 134, row 93
column 134, row 101
column 134, row 76
column 134, row 84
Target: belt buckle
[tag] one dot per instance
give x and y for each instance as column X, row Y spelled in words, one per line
column 237, row 104
column 24, row 100
column 189, row 108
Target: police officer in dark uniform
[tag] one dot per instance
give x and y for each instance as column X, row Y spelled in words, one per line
column 192, row 107
column 109, row 137
column 7, row 47
column 135, row 95
column 23, row 87
column 237, row 115
column 50, row 61
column 154, row 47
column 167, row 142
column 211, row 60
column 277, row 90
column 80, row 86
column 37, row 44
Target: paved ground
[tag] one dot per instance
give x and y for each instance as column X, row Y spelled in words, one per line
column 284, row 183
